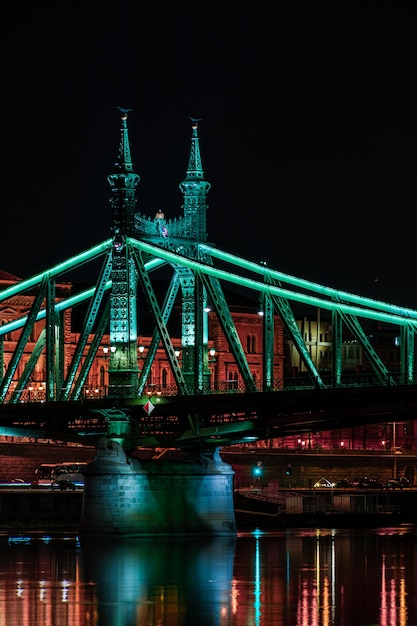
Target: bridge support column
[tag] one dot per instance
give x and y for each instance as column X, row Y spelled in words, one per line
column 127, row 497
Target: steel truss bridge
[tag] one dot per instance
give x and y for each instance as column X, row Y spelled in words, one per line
column 196, row 416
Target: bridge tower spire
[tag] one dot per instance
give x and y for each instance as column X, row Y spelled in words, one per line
column 194, row 336
column 195, row 190
column 123, row 184
column 123, row 369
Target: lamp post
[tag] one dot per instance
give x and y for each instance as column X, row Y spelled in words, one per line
column 213, row 370
column 394, row 450
column 107, row 352
column 141, row 357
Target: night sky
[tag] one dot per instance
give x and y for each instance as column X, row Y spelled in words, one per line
column 308, row 131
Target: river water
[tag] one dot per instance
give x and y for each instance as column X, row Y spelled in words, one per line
column 296, row 577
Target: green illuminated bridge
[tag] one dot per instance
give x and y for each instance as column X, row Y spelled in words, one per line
column 194, row 415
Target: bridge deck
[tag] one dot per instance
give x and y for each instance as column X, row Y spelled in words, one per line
column 223, row 419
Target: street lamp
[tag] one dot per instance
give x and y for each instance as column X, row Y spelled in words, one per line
column 257, row 472
column 104, row 379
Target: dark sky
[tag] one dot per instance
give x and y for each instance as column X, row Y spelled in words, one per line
column 308, row 135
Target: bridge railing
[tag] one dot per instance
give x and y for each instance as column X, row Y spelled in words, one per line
column 301, row 381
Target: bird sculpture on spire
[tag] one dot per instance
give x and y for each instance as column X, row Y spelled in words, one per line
column 195, row 120
column 123, row 110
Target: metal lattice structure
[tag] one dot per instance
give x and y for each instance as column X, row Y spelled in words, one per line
column 139, row 246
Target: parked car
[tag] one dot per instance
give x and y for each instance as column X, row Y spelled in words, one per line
column 343, row 484
column 370, row 483
column 398, row 483
column 63, row 485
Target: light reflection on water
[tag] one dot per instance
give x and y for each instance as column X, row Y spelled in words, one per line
column 289, row 578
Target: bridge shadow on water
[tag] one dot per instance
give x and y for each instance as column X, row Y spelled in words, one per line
column 179, row 579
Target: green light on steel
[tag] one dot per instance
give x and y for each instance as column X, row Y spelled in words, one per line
column 340, row 300
column 63, row 305
column 262, row 287
column 61, row 268
column 310, row 286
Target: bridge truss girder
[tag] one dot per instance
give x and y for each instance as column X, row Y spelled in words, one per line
column 216, row 294
column 283, row 309
column 360, row 336
column 17, row 355
column 72, row 386
column 166, row 311
column 407, row 353
column 160, row 318
column 196, row 279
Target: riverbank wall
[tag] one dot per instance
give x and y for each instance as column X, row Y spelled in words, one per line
column 306, row 468
column 21, row 460
column 307, row 506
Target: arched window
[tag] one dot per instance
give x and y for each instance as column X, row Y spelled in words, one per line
column 251, row 344
column 164, row 377
column 102, row 377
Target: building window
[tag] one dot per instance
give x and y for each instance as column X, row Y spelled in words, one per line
column 102, row 376
column 232, row 380
column 251, row 344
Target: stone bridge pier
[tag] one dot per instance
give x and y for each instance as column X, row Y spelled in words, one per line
column 127, row 497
